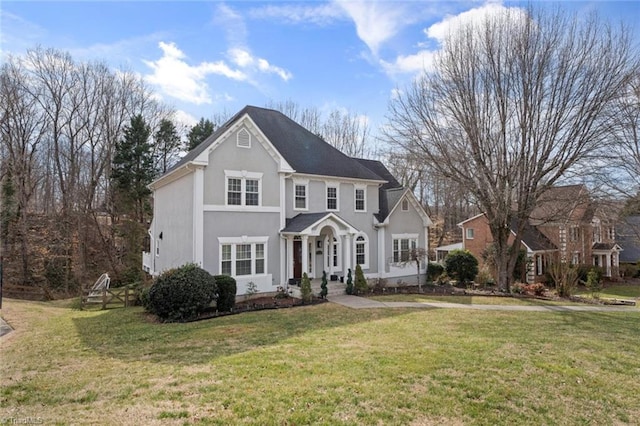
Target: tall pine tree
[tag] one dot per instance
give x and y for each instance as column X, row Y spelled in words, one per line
column 132, row 169
column 199, row 133
column 167, row 144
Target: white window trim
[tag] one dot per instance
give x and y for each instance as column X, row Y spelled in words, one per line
column 243, row 130
column 335, row 185
column 235, row 241
column 356, row 188
column 243, row 175
column 466, row 233
column 410, row 237
column 304, row 183
column 365, row 265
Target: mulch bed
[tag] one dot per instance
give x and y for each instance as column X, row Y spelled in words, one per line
column 259, row 304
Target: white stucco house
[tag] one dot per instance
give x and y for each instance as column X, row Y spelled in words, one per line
column 264, row 200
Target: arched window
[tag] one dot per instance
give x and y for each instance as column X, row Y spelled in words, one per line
column 361, row 250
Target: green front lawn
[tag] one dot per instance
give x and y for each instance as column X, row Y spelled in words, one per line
column 322, row 364
column 615, row 291
column 471, row 300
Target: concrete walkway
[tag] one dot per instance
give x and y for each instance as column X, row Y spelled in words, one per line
column 356, row 302
column 4, row 327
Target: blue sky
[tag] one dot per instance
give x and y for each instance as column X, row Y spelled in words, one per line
column 206, row 57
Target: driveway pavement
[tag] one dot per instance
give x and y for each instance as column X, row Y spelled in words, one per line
column 356, row 302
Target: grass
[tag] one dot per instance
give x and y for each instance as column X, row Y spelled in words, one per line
column 322, row 364
column 615, row 292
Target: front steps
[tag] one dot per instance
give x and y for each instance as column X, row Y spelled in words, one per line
column 334, row 288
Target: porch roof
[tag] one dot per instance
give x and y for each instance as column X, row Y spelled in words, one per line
column 312, row 224
column 606, row 247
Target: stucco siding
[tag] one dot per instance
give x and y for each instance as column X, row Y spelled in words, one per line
column 236, row 225
column 403, row 223
column 228, row 156
column 173, row 218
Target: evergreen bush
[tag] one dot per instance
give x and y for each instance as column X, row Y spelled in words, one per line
column 181, row 294
column 461, row 265
column 305, row 288
column 227, row 289
column 361, row 285
column 434, row 270
column 349, row 282
column 323, row 286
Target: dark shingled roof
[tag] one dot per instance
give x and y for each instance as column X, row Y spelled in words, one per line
column 533, row 238
column 304, row 151
column 388, row 200
column 379, row 169
column 388, row 194
column 302, row 221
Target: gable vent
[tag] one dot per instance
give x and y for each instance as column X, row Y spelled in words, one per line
column 244, row 139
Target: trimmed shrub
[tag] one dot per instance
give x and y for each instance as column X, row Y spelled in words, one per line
column 461, row 265
column 434, row 270
column 227, row 289
column 536, row 289
column 181, row 294
column 305, row 288
column 361, row 286
column 349, row 282
column 323, row 286
column 594, row 282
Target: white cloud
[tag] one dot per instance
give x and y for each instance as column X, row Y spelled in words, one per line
column 177, row 78
column 376, row 22
column 410, row 64
column 184, row 118
column 323, row 14
column 452, row 23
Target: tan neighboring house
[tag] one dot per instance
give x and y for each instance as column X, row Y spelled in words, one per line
column 566, row 224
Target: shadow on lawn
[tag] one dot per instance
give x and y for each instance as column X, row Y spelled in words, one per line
column 129, row 334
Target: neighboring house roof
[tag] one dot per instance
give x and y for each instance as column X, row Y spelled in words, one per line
column 304, row 152
column 628, row 237
column 450, row 247
column 563, row 204
column 532, row 237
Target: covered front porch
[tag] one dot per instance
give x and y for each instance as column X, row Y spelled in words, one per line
column 607, row 257
column 317, row 242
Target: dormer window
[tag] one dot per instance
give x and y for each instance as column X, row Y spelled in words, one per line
column 244, row 139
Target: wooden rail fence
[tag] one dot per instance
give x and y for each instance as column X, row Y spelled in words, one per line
column 106, row 296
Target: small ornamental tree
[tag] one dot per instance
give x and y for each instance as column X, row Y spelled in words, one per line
column 305, row 288
column 593, row 282
column 227, row 289
column 323, row 286
column 349, row 282
column 361, row 281
column 181, row 294
column 461, row 265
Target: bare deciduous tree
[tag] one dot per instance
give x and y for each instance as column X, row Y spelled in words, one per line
column 513, row 104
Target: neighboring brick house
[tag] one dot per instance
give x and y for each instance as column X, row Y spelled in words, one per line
column 565, row 225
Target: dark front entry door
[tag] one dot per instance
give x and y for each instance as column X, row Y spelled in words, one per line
column 297, row 259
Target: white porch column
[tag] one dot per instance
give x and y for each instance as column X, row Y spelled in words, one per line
column 283, row 261
column 347, row 247
column 289, row 257
column 608, row 263
column 330, row 253
column 382, row 264
column 305, row 254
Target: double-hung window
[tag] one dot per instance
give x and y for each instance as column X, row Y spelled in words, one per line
column 300, row 195
column 243, row 256
column 403, row 246
column 243, row 188
column 332, row 197
column 360, row 199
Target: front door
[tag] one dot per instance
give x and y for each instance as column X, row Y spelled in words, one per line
column 297, row 259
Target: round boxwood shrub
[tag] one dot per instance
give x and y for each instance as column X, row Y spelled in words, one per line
column 461, row 265
column 227, row 289
column 181, row 294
